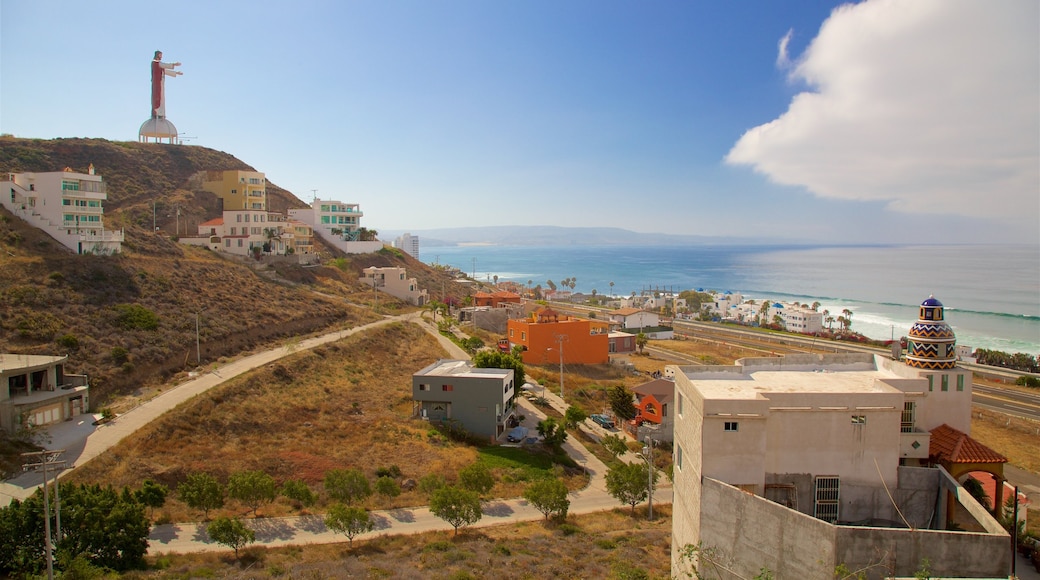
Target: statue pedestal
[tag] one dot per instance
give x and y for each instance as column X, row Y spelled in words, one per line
column 158, row 129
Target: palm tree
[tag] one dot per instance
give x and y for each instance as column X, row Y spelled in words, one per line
column 816, row 306
column 611, row 289
column 848, row 318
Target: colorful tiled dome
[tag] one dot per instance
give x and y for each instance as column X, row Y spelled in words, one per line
column 931, row 341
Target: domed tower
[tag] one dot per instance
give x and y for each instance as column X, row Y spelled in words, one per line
column 931, row 341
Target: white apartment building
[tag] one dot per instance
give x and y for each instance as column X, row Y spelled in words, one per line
column 66, row 205
column 395, row 282
column 338, row 223
column 801, row 463
column 409, row 244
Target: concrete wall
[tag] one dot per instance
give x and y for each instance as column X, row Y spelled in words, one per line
column 477, row 397
column 902, row 552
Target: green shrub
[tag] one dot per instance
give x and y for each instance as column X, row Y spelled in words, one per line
column 136, row 317
column 119, row 355
column 1028, row 381
column 392, row 471
column 69, row 341
column 38, row 326
column 569, row 529
column 438, row 546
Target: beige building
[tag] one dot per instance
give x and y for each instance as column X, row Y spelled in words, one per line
column 239, row 190
column 801, row 463
column 395, row 282
column 35, row 391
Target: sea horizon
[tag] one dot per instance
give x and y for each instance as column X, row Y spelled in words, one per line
column 991, row 292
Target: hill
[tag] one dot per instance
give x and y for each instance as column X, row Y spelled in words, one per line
column 56, row 302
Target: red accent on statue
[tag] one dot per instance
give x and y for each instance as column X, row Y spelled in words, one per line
column 157, row 79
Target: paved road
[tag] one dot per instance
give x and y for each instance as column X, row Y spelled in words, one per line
column 1007, row 401
column 82, row 440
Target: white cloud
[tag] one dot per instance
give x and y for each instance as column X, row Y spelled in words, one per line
column 782, row 58
column 932, row 106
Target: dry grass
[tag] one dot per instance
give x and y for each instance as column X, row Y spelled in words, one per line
column 1017, row 439
column 610, row 544
column 344, row 405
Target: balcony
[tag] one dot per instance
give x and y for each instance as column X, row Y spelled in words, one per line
column 914, row 444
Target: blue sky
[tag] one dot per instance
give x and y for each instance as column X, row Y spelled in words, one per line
column 885, row 121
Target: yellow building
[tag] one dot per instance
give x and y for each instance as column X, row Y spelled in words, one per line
column 238, row 189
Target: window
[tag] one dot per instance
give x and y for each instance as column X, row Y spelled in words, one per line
column 730, row 426
column 238, row 217
column 523, row 336
column 424, row 387
column 447, row 387
column 906, row 423
column 233, row 230
column 240, row 243
column 945, row 383
column 510, row 333
column 664, row 410
column 680, row 398
column 678, row 457
column 482, row 409
column 859, row 419
column 931, row 382
column 960, row 382
column 827, row 495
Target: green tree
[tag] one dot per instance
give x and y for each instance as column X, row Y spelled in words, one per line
column 108, row 527
column 456, row 506
column 388, row 487
column 201, row 491
column 627, row 482
column 136, row 317
column 297, row 490
column 641, row 341
column 549, row 496
column 230, row 532
column 152, row 495
column 477, row 478
column 553, row 434
column 347, row 485
column 489, row 359
column 349, row 521
column 614, row 445
column 253, row 488
column 574, row 416
column 430, row 483
column 621, row 402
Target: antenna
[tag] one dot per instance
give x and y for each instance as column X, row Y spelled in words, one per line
column 314, row 196
column 181, row 138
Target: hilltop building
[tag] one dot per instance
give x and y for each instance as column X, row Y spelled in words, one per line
column 35, row 391
column 547, row 337
column 801, row 463
column 243, row 232
column 480, row 400
column 395, row 282
column 238, row 190
column 408, row 244
column 338, row 224
column 66, row 205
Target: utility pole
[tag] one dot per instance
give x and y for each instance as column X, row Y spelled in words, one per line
column 45, row 458
column 560, row 338
column 153, row 217
column 648, row 453
column 198, row 349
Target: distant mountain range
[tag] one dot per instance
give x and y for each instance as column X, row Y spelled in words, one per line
column 559, row 236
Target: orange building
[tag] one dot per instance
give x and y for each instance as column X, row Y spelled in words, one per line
column 495, row 299
column 541, row 335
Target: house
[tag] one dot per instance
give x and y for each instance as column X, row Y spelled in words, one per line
column 802, row 463
column 240, row 231
column 621, row 342
column 654, row 406
column 338, row 224
column 395, row 282
column 238, row 190
column 634, row 318
column 548, row 337
column 496, row 299
column 480, row 400
column 35, row 391
column 66, row 205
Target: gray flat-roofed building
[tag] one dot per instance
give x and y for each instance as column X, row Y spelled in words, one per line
column 477, row 399
column 36, row 391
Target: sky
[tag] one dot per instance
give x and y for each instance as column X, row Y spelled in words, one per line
column 884, row 121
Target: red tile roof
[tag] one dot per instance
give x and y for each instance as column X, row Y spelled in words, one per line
column 950, row 445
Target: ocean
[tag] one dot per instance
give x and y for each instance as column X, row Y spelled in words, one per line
column 991, row 293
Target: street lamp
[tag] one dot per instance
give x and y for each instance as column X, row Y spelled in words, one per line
column 648, row 455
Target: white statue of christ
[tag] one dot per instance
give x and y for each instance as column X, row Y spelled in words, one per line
column 160, row 70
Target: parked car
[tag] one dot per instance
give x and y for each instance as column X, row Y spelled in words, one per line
column 517, row 434
column 602, row 420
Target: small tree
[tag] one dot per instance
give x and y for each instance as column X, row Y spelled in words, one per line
column 641, row 341
column 297, row 490
column 349, row 521
column 456, row 506
column 230, row 532
column 477, row 478
column 627, row 482
column 388, row 487
column 614, row 445
column 347, row 485
column 430, row 483
column 549, row 496
column 152, row 495
column 252, row 488
column 621, row 402
column 201, row 491
column 552, row 433
column 574, row 416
